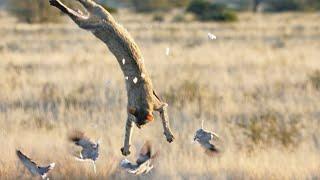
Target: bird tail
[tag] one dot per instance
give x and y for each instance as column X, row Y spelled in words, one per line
column 124, row 162
column 44, row 170
column 212, row 151
column 47, row 168
column 76, row 136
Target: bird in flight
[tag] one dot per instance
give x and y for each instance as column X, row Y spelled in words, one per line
column 90, row 149
column 143, row 164
column 205, row 139
column 32, row 167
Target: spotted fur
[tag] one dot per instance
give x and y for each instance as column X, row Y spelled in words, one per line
column 142, row 99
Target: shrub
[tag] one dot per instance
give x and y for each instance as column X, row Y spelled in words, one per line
column 178, row 18
column 150, row 5
column 271, row 128
column 191, row 92
column 207, row 11
column 158, row 17
column 33, row 11
column 198, row 7
column 184, row 93
column 180, row 3
column 187, row 17
column 286, row 5
column 157, row 5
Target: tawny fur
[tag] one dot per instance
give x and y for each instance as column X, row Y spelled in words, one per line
column 142, row 99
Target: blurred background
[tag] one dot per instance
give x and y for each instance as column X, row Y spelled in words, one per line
column 257, row 85
column 38, row 11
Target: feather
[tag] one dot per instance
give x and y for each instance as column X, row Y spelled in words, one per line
column 143, row 163
column 33, row 168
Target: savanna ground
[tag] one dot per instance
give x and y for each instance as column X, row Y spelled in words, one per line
column 257, row 86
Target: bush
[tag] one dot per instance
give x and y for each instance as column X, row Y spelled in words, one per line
column 313, row 5
column 286, row 5
column 186, row 17
column 270, row 128
column 198, row 7
column 181, row 3
column 33, row 11
column 158, row 17
column 150, row 5
column 157, row 5
column 191, row 92
column 207, row 11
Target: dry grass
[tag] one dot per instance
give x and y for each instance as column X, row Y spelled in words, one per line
column 254, row 85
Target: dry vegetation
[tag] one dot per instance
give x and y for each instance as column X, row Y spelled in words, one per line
column 257, row 86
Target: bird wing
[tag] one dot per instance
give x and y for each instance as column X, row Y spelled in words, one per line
column 210, row 148
column 80, row 139
column 213, row 139
column 44, row 170
column 85, row 143
column 27, row 162
column 145, row 153
column 213, row 148
column 214, row 135
column 126, row 164
column 145, row 167
column 90, row 152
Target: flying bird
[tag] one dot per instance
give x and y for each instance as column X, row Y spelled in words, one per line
column 90, row 149
column 143, row 164
column 167, row 51
column 205, row 139
column 32, row 167
column 212, row 36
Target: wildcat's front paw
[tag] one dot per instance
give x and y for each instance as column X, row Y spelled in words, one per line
column 53, row 2
column 125, row 150
column 169, row 136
